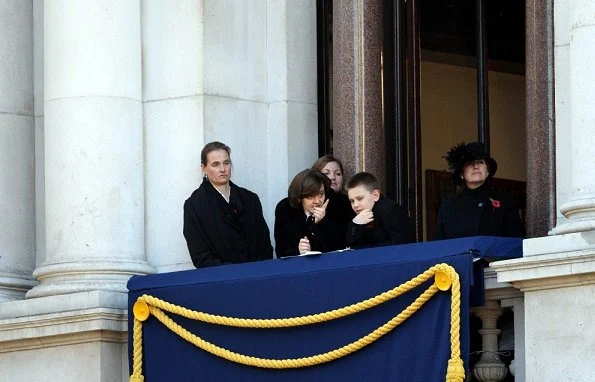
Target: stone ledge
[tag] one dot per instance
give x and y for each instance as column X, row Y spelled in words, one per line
column 548, row 271
column 495, row 290
column 63, row 340
column 63, row 320
column 63, row 303
column 567, row 243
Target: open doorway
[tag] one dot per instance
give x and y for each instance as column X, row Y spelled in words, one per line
column 449, row 87
column 430, row 94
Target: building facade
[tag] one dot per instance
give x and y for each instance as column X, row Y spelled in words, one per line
column 105, row 105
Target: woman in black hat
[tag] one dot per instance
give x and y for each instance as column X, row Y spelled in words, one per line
column 477, row 209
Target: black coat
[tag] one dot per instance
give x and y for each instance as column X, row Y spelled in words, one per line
column 339, row 208
column 391, row 226
column 291, row 225
column 479, row 212
column 218, row 232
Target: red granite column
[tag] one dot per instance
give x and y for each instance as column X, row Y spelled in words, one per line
column 358, row 130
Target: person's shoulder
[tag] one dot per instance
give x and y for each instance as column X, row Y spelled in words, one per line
column 338, row 200
column 283, row 204
column 195, row 196
column 387, row 207
column 337, row 195
column 450, row 199
column 387, row 204
column 500, row 196
column 497, row 193
column 244, row 191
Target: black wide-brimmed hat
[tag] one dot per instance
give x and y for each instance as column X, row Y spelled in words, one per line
column 464, row 153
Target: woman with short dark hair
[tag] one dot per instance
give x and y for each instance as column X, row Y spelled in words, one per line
column 302, row 223
column 223, row 223
column 477, row 209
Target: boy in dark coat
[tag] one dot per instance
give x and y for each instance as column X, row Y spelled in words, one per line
column 379, row 221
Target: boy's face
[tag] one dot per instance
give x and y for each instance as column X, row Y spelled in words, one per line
column 362, row 199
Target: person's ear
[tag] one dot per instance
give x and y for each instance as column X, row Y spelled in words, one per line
column 376, row 194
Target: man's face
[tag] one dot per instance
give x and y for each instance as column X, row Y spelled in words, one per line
column 218, row 167
column 362, row 199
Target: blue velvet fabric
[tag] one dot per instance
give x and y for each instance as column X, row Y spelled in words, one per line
column 417, row 350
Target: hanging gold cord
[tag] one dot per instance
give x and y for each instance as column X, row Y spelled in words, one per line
column 445, row 277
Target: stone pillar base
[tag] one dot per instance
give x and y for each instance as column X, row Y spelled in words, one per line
column 14, row 286
column 557, row 276
column 74, row 277
column 76, row 337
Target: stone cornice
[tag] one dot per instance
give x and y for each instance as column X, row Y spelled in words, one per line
column 495, row 290
column 67, row 328
column 63, row 320
column 550, row 271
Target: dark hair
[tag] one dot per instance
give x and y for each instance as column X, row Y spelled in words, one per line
column 305, row 184
column 213, row 146
column 369, row 181
column 324, row 160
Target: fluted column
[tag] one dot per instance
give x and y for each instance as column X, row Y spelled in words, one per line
column 17, row 145
column 489, row 368
column 579, row 209
column 93, row 147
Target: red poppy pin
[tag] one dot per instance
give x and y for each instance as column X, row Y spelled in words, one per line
column 495, row 203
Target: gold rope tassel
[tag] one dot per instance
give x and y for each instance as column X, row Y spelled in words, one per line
column 137, row 360
column 445, row 277
column 455, row 371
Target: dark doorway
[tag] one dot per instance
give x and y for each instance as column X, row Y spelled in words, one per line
column 432, row 84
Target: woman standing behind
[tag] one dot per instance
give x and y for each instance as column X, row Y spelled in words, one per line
column 339, row 206
column 223, row 223
column 302, row 221
column 477, row 209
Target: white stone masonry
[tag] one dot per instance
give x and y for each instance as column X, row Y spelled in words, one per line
column 93, row 147
column 17, row 141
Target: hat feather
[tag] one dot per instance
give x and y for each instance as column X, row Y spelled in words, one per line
column 457, row 156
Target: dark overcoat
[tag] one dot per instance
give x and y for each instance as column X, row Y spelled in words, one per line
column 391, row 226
column 218, row 232
column 479, row 212
column 292, row 224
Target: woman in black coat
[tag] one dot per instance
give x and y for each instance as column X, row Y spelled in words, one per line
column 223, row 223
column 303, row 221
column 477, row 209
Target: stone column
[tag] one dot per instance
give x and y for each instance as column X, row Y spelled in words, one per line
column 93, row 147
column 173, row 118
column 489, row 368
column 358, row 131
column 579, row 209
column 17, row 145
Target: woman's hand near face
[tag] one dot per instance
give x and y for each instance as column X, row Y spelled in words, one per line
column 364, row 217
column 304, row 245
column 320, row 212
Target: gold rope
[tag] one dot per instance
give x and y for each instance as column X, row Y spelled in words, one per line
column 444, row 275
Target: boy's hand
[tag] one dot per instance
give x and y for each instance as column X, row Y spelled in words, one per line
column 364, row 217
column 320, row 212
column 304, row 245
